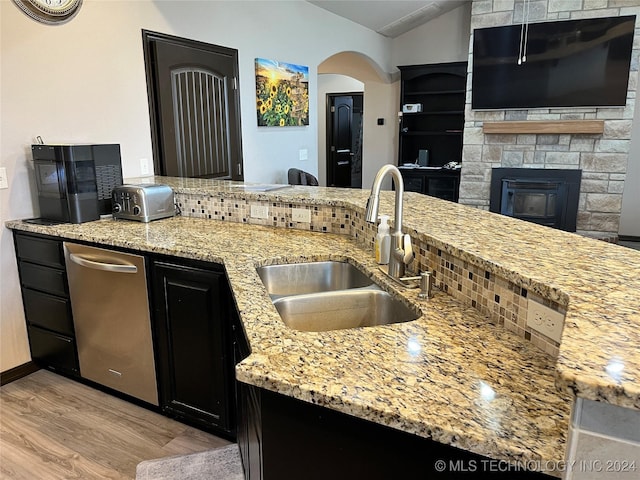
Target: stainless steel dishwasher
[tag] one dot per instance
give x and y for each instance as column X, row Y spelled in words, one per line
column 111, row 316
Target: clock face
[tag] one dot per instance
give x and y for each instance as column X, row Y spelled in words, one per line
column 49, row 11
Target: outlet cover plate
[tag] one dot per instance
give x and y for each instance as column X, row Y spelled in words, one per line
column 545, row 320
column 259, row 211
column 301, row 215
column 144, row 166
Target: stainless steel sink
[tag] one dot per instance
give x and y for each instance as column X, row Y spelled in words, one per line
column 312, row 277
column 321, row 296
column 342, row 309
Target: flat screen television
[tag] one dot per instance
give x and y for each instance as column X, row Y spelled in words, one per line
column 574, row 63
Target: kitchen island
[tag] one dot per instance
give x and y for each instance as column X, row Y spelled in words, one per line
column 453, row 375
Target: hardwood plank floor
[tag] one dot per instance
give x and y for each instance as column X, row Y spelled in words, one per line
column 54, row 428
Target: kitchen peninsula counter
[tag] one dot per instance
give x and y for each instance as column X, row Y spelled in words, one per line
column 450, row 375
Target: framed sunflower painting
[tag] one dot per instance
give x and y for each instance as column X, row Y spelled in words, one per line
column 282, row 94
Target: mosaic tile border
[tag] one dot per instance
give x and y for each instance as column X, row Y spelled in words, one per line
column 504, row 303
column 323, row 219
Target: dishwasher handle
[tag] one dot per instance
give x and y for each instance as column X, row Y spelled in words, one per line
column 106, row 267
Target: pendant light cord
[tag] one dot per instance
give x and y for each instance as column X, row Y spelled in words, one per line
column 524, row 32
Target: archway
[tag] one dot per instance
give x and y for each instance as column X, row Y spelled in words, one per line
column 352, row 72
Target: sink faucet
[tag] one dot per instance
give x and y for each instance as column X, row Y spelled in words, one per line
column 401, row 250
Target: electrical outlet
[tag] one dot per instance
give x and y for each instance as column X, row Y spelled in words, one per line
column 4, row 182
column 259, row 211
column 144, row 166
column 301, row 215
column 545, row 320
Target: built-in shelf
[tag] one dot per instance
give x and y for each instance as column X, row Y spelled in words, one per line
column 436, row 92
column 548, row 127
column 434, row 133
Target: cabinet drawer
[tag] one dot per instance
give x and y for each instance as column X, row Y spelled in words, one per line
column 39, row 250
column 53, row 350
column 42, row 278
column 47, row 311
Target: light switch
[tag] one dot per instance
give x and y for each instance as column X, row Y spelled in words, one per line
column 303, row 154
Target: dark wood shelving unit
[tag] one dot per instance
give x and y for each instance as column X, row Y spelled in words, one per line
column 438, row 128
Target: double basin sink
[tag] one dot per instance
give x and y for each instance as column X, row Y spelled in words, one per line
column 321, row 296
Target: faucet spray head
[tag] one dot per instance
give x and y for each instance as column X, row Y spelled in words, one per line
column 371, row 214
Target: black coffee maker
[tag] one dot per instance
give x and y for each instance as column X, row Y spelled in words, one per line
column 75, row 181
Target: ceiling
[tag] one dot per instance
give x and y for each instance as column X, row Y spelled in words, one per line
column 390, row 18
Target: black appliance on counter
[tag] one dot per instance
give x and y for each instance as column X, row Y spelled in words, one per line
column 75, row 181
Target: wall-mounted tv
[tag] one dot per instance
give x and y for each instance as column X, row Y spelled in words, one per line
column 574, row 63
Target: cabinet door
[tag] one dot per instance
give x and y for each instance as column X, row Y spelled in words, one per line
column 249, row 425
column 57, row 352
column 45, row 279
column 413, row 183
column 190, row 315
column 443, row 187
column 39, row 250
column 48, row 311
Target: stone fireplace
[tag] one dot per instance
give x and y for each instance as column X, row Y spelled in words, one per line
column 602, row 156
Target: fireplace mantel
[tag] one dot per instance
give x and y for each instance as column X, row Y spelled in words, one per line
column 545, row 127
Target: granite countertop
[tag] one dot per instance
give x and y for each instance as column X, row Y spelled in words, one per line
column 599, row 282
column 448, row 375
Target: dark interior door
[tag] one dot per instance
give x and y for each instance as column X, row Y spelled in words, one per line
column 194, row 106
column 344, row 129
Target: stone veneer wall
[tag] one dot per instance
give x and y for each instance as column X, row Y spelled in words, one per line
column 602, row 158
column 503, row 302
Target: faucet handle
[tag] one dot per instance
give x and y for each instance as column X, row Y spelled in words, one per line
column 407, row 248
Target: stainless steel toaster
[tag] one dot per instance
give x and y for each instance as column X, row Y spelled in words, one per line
column 143, row 202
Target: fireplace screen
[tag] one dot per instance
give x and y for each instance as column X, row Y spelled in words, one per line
column 530, row 198
column 544, row 196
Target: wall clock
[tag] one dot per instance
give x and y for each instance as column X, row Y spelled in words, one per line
column 50, row 11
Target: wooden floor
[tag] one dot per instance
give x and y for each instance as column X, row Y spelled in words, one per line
column 54, row 428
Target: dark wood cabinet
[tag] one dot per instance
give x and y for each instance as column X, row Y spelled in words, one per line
column 437, row 124
column 432, row 102
column 193, row 347
column 249, row 430
column 47, row 308
column 192, row 318
column 304, row 440
column 442, row 183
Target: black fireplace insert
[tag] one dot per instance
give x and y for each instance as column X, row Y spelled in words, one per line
column 544, row 196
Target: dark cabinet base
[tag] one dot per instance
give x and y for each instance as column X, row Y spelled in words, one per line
column 303, row 440
column 436, row 183
column 191, row 333
column 52, row 350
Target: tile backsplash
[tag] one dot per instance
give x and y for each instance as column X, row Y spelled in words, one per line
column 502, row 301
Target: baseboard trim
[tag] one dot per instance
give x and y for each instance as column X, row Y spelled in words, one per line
column 628, row 238
column 18, row 372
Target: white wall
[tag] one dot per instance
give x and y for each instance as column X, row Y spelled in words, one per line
column 84, row 81
column 443, row 39
column 630, row 213
column 379, row 142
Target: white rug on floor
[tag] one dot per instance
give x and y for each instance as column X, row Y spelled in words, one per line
column 221, row 463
